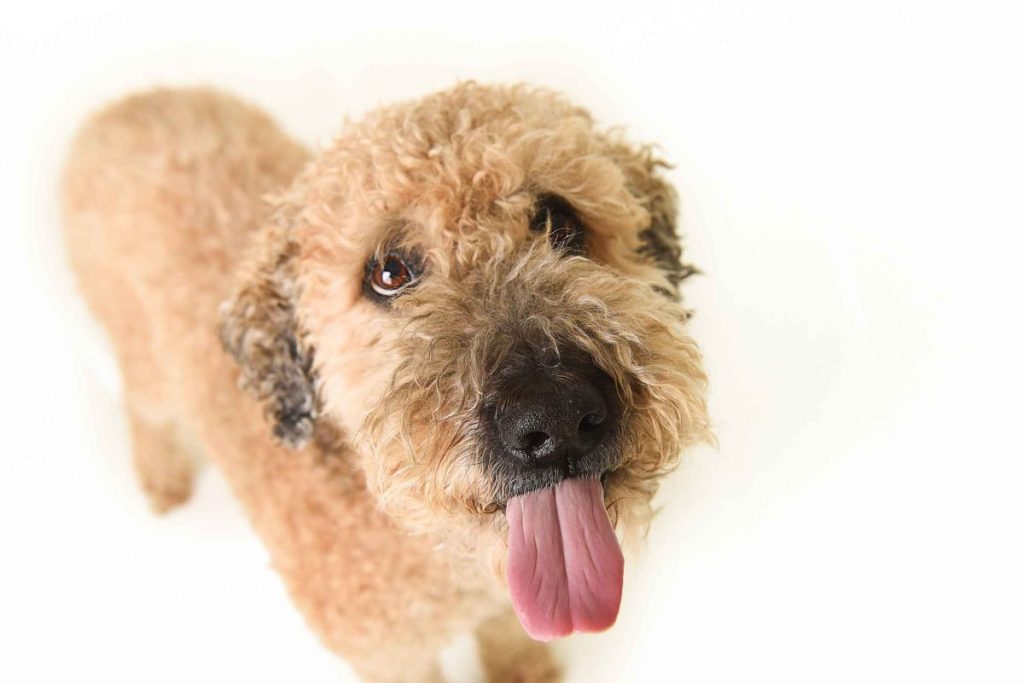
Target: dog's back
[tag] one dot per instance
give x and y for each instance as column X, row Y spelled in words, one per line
column 162, row 194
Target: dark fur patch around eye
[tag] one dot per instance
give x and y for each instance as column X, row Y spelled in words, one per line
column 559, row 220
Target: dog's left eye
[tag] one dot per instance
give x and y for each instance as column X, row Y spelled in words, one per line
column 557, row 218
column 391, row 275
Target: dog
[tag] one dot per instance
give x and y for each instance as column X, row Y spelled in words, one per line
column 439, row 362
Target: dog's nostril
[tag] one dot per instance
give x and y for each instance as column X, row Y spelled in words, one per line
column 534, row 441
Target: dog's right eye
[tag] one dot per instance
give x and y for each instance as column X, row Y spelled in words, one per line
column 389, row 276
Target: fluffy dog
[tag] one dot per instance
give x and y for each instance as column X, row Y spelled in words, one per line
column 456, row 355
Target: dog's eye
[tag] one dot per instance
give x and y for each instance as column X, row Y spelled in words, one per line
column 563, row 226
column 391, row 275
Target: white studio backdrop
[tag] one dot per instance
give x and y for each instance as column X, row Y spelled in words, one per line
column 851, row 175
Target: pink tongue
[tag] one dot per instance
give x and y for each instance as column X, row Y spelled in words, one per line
column 564, row 562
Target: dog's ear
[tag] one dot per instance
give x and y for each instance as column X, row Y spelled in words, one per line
column 260, row 330
column 659, row 241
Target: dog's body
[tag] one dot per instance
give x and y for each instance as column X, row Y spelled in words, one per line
column 376, row 507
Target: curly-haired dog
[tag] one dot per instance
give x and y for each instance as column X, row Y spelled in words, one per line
column 459, row 333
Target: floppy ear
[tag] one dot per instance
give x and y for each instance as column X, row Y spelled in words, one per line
column 260, row 330
column 659, row 241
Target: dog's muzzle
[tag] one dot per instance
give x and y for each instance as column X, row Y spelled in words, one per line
column 550, row 416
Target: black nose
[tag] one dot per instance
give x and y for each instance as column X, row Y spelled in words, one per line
column 556, row 419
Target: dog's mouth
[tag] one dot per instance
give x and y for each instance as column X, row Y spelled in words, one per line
column 565, row 565
column 522, row 483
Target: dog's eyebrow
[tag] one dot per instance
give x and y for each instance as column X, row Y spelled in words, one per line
column 395, row 234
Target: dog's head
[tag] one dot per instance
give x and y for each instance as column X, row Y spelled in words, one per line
column 479, row 290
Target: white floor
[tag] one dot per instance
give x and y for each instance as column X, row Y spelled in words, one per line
column 852, row 180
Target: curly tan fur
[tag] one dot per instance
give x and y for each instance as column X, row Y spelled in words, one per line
column 189, row 213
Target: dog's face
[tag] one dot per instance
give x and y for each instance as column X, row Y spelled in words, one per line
column 479, row 290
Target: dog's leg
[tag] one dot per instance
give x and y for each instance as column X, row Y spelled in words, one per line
column 164, row 468
column 508, row 654
column 403, row 666
column 164, row 465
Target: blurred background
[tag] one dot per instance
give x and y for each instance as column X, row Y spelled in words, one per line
column 851, row 178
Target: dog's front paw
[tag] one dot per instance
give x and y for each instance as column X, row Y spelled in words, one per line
column 540, row 668
column 510, row 656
